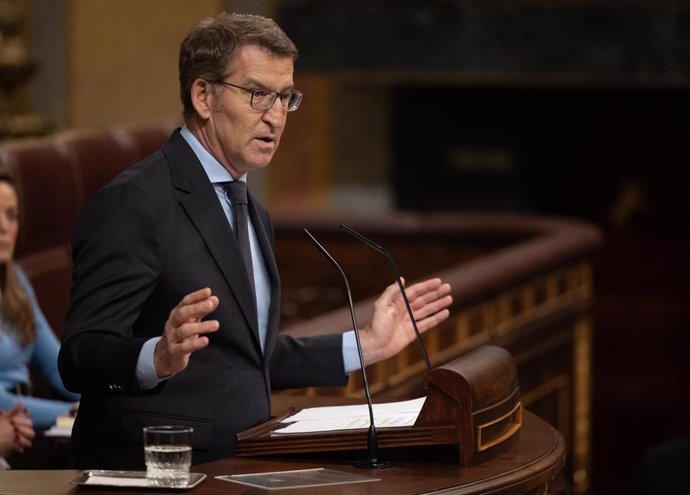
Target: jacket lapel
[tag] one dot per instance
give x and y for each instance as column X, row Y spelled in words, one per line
column 202, row 206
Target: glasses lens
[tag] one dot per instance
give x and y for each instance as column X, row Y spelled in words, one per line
column 294, row 100
column 261, row 100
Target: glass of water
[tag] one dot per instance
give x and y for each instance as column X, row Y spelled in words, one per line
column 168, row 455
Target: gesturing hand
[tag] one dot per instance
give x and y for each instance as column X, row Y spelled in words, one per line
column 390, row 329
column 184, row 332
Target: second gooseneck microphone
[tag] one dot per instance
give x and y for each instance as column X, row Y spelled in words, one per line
column 372, row 438
column 378, row 248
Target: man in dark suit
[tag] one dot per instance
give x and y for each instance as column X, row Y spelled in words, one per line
column 169, row 323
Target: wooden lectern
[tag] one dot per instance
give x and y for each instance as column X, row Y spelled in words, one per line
column 473, row 401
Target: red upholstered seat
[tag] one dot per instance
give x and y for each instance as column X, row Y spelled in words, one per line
column 45, row 179
column 56, row 176
column 98, row 156
column 46, row 182
column 145, row 139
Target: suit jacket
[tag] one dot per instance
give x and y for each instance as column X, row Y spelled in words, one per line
column 154, row 234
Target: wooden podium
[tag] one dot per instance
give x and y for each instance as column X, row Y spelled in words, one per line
column 473, row 401
column 529, row 467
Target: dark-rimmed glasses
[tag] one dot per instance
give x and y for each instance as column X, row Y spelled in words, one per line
column 263, row 100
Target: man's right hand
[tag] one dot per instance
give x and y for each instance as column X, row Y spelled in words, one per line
column 184, row 332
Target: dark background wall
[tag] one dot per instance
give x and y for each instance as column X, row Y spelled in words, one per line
column 613, row 38
column 566, row 108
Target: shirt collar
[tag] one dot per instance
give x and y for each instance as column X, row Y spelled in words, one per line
column 214, row 170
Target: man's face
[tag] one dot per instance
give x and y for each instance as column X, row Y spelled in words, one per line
column 240, row 137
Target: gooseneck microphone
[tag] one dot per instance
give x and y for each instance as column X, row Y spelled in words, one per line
column 378, row 248
column 372, row 438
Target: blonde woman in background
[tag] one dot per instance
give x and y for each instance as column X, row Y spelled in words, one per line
column 25, row 335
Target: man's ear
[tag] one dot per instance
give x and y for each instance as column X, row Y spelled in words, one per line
column 202, row 98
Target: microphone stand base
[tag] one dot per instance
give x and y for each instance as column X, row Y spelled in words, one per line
column 373, row 464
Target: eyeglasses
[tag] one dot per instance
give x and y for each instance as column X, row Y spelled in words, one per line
column 263, row 100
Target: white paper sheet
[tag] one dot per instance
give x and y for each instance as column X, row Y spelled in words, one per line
column 116, row 481
column 386, row 415
column 55, row 431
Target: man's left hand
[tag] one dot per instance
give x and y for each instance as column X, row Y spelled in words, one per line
column 390, row 329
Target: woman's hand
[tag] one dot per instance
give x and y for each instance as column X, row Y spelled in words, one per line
column 18, row 418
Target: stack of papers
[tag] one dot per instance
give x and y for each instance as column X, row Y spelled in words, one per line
column 62, row 427
column 318, row 419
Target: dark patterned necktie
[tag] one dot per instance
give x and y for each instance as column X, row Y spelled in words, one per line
column 237, row 190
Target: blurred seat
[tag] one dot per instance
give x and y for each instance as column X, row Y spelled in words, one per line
column 45, row 180
column 46, row 183
column 144, row 140
column 98, row 156
column 56, row 176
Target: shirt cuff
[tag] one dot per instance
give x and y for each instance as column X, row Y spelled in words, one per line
column 350, row 354
column 147, row 378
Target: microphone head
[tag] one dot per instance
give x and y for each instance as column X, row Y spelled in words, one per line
column 365, row 240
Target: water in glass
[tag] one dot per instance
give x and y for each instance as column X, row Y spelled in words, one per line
column 168, row 455
column 168, row 465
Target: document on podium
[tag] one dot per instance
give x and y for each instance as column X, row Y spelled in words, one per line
column 354, row 417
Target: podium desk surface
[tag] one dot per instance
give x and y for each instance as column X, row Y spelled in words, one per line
column 527, row 467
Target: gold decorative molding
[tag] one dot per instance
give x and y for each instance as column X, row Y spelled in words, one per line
column 16, row 68
column 501, row 317
column 582, row 404
column 558, row 297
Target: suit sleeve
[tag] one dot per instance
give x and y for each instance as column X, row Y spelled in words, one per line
column 115, row 254
column 308, row 362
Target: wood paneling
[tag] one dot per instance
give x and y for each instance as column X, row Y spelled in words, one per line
column 123, row 58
